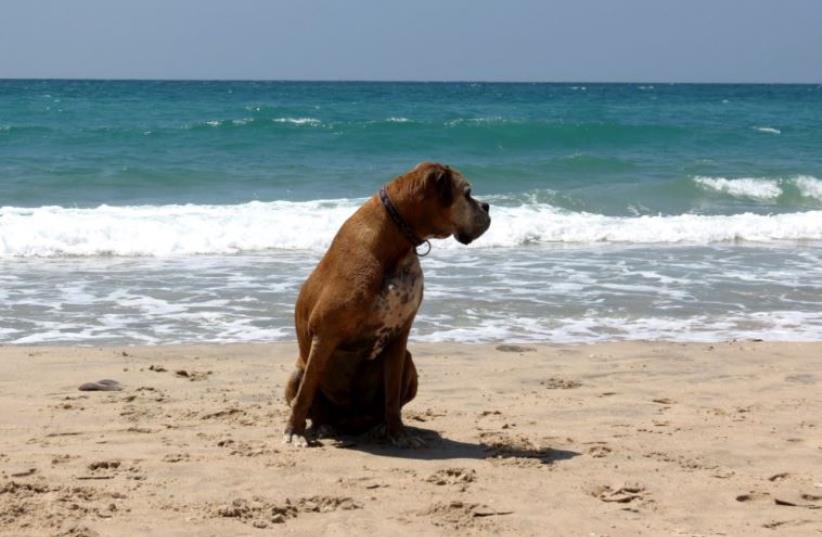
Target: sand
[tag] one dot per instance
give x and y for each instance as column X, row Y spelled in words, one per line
column 592, row 440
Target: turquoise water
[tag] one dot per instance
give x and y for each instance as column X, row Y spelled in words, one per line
column 605, row 148
column 591, row 186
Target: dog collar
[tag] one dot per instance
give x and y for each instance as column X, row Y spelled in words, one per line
column 401, row 224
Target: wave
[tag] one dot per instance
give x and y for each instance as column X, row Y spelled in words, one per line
column 545, row 224
column 256, row 122
column 746, row 187
column 514, row 131
column 297, row 120
column 769, row 325
column 518, row 126
column 763, row 188
column 262, row 122
column 489, row 120
column 768, row 130
column 809, row 186
column 169, row 230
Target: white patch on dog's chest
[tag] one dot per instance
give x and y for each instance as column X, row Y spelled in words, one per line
column 397, row 302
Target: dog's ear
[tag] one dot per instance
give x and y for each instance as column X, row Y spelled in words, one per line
column 439, row 179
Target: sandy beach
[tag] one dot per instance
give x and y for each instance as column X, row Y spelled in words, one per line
column 591, row 440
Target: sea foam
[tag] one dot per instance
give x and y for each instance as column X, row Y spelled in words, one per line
column 768, row 130
column 297, row 120
column 745, row 187
column 762, row 188
column 168, row 230
column 809, row 186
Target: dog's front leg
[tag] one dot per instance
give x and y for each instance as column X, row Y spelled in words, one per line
column 318, row 356
column 393, row 375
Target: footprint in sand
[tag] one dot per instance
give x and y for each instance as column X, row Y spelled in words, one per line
column 62, row 458
column 599, row 451
column 176, row 457
column 453, row 476
column 460, row 515
column 22, row 503
column 101, row 470
column 193, row 376
column 79, row 531
column 247, row 449
column 626, row 493
column 230, row 413
column 809, row 501
column 109, row 469
column 259, row 513
column 554, row 383
column 360, row 482
column 517, row 450
column 105, row 465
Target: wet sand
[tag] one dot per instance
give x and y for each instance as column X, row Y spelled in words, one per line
column 616, row 439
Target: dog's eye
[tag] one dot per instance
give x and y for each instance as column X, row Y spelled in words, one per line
column 467, row 192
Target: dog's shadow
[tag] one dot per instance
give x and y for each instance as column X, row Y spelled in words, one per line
column 438, row 447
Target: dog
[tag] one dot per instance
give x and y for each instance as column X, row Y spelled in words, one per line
column 355, row 311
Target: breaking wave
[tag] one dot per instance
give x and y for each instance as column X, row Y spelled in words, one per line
column 762, row 188
column 168, row 230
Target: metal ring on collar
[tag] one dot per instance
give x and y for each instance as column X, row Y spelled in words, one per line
column 428, row 251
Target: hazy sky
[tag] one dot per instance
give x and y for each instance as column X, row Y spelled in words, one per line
column 562, row 40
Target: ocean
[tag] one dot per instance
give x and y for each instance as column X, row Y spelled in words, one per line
column 147, row 212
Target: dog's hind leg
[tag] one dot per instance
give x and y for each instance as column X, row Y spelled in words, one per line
column 293, row 384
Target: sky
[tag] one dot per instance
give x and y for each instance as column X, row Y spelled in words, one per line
column 510, row 40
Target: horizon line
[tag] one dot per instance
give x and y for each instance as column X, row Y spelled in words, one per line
column 396, row 81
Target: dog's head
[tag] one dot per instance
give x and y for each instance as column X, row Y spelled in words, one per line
column 445, row 204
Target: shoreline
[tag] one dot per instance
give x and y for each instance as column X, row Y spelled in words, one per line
column 606, row 439
column 531, row 345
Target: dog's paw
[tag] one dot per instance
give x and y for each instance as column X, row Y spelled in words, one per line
column 296, row 437
column 296, row 440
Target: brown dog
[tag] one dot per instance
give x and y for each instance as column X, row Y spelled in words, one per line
column 355, row 311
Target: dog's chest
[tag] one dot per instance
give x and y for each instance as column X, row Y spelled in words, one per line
column 397, row 303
